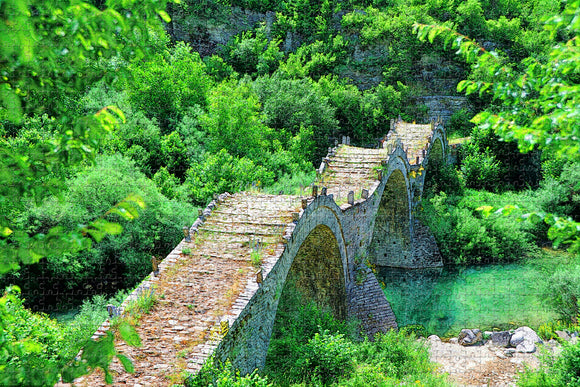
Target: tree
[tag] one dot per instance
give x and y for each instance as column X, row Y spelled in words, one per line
column 50, row 51
column 538, row 107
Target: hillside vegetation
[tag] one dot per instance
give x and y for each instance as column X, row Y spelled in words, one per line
column 113, row 132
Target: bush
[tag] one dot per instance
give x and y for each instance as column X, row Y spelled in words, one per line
column 555, row 371
column 562, row 292
column 118, row 260
column 465, row 237
column 400, row 356
column 169, row 83
column 325, row 358
column 34, row 345
column 222, row 172
column 303, row 350
column 459, row 124
column 224, row 375
column 252, row 53
column 481, row 170
column 233, row 122
column 294, row 105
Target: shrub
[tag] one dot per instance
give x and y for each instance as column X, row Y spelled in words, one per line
column 325, row 358
column 465, row 237
column 34, row 343
column 291, row 105
column 481, row 170
column 459, row 124
column 166, row 85
column 252, row 53
column 562, row 292
column 399, row 357
column 233, row 122
column 224, row 375
column 555, row 371
column 222, row 172
column 119, row 260
column 417, row 330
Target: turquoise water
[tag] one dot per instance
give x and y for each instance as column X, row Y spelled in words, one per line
column 448, row 299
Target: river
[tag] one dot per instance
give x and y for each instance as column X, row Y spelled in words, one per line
column 445, row 300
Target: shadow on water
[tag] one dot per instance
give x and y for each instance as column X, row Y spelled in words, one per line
column 445, row 300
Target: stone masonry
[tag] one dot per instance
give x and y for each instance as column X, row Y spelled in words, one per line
column 221, row 295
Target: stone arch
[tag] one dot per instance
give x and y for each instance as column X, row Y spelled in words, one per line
column 391, row 240
column 248, row 339
column 436, row 153
column 435, row 159
column 317, row 256
column 317, row 271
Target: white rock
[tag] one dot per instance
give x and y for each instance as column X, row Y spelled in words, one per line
column 434, row 338
column 525, row 339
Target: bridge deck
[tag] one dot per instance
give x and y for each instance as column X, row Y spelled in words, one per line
column 352, row 169
column 199, row 290
column 414, row 138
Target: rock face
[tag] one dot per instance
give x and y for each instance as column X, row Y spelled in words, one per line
column 470, row 337
column 501, row 339
column 444, row 106
column 524, row 340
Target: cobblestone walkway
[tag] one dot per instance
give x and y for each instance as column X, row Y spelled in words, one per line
column 199, row 290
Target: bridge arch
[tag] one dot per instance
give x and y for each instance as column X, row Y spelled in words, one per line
column 393, row 226
column 438, row 145
column 319, row 266
column 435, row 157
column 319, row 227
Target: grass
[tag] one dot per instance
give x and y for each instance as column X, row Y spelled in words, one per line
column 256, row 259
column 140, row 306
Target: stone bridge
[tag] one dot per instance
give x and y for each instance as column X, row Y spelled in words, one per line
column 219, row 292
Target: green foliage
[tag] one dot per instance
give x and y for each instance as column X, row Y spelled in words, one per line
column 32, row 344
column 309, row 18
column 167, row 183
column 303, row 350
column 399, row 358
column 316, row 59
column 38, row 347
column 558, row 371
column 465, row 237
column 290, row 184
column 222, row 172
column 234, row 123
column 325, row 358
column 294, row 106
column 174, row 153
column 416, row 329
column 224, row 375
column 47, row 54
column 547, row 331
column 143, row 304
column 459, row 124
column 252, row 53
column 562, row 291
column 90, row 194
column 166, row 85
column 539, row 106
column 470, row 17
column 296, row 323
column 481, row 170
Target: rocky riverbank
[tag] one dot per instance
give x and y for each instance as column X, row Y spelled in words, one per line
column 476, row 358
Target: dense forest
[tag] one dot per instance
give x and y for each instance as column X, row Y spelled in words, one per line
column 118, row 119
